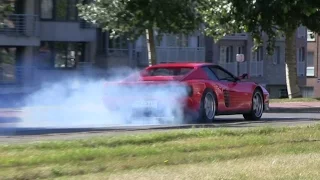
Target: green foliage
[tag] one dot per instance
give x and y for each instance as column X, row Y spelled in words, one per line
column 5, row 10
column 133, row 17
column 61, row 8
column 259, row 16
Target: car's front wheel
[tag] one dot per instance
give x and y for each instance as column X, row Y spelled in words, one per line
column 257, row 107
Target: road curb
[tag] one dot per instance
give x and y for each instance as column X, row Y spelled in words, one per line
column 294, row 110
column 51, row 131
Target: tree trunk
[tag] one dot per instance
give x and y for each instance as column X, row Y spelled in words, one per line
column 291, row 65
column 151, row 47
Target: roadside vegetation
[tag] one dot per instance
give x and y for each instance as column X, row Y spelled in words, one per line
column 284, row 100
column 257, row 153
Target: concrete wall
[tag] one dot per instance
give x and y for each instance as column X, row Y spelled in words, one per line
column 65, row 31
column 274, row 90
column 6, row 40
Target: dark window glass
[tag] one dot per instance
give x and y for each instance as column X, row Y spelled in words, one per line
column 222, row 74
column 46, row 9
column 179, row 71
column 61, row 54
column 210, row 74
column 310, row 59
column 72, row 10
column 8, row 57
column 61, row 9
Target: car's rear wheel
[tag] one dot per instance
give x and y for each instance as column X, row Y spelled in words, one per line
column 208, row 107
column 257, row 107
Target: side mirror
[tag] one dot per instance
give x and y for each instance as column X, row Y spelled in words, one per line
column 244, row 76
column 240, row 58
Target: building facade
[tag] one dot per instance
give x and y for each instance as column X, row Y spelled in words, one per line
column 45, row 40
column 313, row 68
column 262, row 68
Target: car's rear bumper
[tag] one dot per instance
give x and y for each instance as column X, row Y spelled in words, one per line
column 266, row 106
column 162, row 109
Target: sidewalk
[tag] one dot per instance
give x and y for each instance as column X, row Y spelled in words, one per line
column 296, row 107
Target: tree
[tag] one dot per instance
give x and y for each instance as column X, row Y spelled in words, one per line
column 6, row 9
column 264, row 16
column 134, row 18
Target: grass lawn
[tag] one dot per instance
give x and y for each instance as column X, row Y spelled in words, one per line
column 295, row 100
column 258, row 153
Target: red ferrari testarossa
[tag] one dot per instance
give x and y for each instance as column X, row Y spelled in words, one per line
column 211, row 91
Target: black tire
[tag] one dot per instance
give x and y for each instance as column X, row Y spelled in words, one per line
column 203, row 116
column 255, row 114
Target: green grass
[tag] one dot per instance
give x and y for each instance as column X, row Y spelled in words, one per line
column 295, row 100
column 179, row 154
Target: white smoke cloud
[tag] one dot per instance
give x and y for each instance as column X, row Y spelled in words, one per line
column 83, row 102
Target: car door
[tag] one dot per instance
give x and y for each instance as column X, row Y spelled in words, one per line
column 237, row 93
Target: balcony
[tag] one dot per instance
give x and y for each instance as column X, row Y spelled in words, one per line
column 236, row 36
column 19, row 30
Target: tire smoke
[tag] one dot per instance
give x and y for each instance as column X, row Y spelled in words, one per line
column 83, row 102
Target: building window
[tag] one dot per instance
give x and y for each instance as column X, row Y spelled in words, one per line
column 118, row 46
column 46, row 9
column 240, row 50
column 258, row 54
column 59, row 10
column 301, row 61
column 182, row 40
column 200, row 41
column 301, row 54
column 177, row 40
column 171, row 40
column 72, row 10
column 118, row 43
column 310, row 36
column 307, row 92
column 226, row 53
column 8, row 57
column 276, row 55
column 60, row 54
column 101, row 41
column 310, row 64
column 229, row 54
column 283, row 93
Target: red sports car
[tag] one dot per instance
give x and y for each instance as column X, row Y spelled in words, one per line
column 210, row 90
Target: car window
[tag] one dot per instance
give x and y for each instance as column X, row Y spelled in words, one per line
column 221, row 74
column 179, row 71
column 210, row 74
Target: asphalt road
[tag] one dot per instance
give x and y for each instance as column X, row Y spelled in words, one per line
column 23, row 135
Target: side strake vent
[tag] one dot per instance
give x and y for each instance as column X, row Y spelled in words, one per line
column 226, row 98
